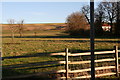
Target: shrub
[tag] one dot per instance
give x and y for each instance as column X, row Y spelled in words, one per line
column 77, row 24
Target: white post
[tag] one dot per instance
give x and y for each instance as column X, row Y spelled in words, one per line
column 116, row 61
column 66, row 65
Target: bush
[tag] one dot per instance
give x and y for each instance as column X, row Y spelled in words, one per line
column 77, row 24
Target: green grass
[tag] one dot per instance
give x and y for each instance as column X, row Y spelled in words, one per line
column 37, row 50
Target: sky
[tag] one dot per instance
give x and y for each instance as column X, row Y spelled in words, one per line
column 39, row 12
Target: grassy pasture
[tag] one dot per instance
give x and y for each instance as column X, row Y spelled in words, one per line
column 32, row 52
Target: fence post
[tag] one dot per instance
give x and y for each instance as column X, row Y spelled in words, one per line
column 66, row 65
column 116, row 61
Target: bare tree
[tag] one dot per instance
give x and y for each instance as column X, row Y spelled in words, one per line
column 99, row 18
column 110, row 11
column 12, row 28
column 99, row 13
column 77, row 24
column 86, row 12
column 20, row 27
column 117, row 26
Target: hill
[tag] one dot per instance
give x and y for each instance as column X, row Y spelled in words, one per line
column 46, row 26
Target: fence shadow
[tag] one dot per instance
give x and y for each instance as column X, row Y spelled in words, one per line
column 32, row 55
column 65, row 36
column 44, row 64
column 19, row 69
column 34, row 65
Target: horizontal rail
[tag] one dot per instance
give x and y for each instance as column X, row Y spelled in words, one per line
column 89, row 76
column 81, row 54
column 118, row 50
column 60, row 53
column 89, row 53
column 83, row 62
column 83, row 70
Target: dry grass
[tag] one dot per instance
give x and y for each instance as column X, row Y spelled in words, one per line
column 46, row 42
column 46, row 26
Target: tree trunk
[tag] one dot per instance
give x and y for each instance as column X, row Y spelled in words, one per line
column 12, row 37
column 87, row 19
column 20, row 34
column 111, row 24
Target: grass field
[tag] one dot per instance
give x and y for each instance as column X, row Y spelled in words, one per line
column 32, row 52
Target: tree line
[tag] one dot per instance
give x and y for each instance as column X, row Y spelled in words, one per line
column 105, row 13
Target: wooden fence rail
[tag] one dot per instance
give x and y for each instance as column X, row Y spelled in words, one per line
column 88, row 76
column 83, row 54
column 88, row 69
column 67, row 70
column 83, row 62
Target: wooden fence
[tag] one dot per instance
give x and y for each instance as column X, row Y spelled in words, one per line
column 67, row 70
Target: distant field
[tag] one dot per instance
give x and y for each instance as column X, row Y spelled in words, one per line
column 28, row 27
column 38, row 47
